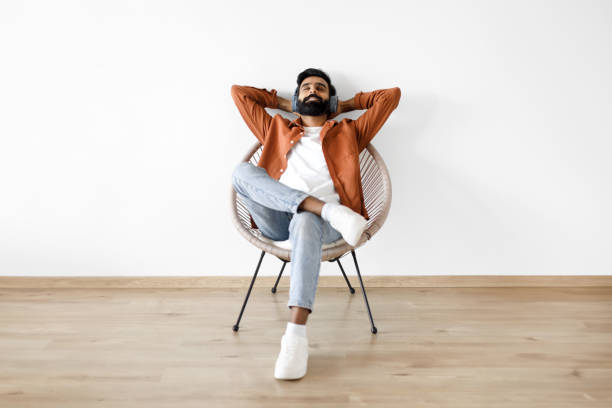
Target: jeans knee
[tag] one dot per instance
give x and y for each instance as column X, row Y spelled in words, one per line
column 306, row 222
column 240, row 172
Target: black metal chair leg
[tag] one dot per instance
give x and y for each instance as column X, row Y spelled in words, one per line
column 235, row 328
column 345, row 278
column 374, row 329
column 279, row 276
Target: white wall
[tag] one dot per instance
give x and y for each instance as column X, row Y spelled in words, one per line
column 118, row 134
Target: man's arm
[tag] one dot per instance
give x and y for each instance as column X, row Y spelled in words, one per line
column 379, row 105
column 251, row 103
column 285, row 104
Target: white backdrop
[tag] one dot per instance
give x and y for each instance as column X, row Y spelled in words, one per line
column 118, row 134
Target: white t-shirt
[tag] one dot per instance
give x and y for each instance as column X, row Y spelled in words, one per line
column 307, row 169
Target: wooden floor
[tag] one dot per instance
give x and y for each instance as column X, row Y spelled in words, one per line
column 436, row 347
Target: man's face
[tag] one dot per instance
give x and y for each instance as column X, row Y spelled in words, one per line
column 313, row 97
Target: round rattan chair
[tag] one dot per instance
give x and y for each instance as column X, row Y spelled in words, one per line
column 376, row 184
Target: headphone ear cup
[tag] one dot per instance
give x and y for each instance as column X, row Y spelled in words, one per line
column 333, row 103
column 294, row 101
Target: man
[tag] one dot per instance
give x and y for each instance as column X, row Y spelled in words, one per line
column 307, row 186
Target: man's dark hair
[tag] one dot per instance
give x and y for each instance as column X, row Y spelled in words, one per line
column 319, row 73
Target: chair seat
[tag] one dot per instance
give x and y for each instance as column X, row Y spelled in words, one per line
column 287, row 244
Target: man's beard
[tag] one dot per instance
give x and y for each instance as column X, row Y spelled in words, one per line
column 313, row 108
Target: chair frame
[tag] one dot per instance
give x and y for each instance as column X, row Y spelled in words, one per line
column 376, row 185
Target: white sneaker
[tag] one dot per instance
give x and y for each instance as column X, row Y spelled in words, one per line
column 292, row 360
column 346, row 221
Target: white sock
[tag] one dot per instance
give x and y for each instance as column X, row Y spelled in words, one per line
column 344, row 220
column 325, row 210
column 299, row 329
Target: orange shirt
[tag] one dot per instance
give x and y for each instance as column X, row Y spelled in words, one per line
column 341, row 141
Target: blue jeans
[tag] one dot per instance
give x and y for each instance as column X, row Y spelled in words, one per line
column 274, row 208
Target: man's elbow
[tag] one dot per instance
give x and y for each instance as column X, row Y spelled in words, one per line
column 235, row 90
column 393, row 96
column 239, row 94
column 396, row 93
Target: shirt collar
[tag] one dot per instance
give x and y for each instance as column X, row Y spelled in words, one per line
column 298, row 122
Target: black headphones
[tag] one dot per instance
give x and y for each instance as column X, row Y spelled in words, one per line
column 333, row 100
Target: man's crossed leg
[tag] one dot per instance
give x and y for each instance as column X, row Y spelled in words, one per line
column 281, row 212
